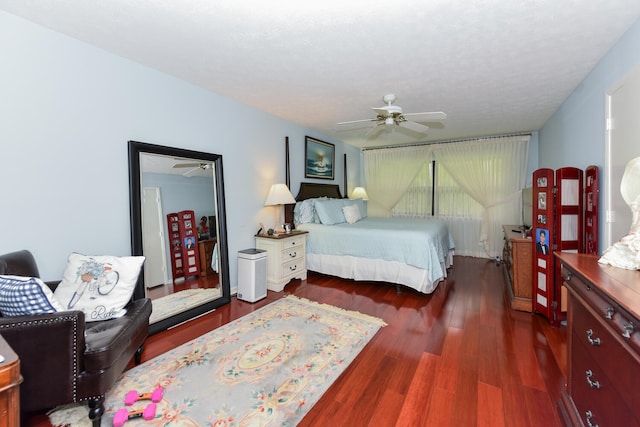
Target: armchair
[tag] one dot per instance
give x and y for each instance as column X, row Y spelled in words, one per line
column 65, row 360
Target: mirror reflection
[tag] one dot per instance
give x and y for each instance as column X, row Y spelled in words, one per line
column 179, row 231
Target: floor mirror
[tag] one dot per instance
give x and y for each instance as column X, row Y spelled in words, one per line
column 178, row 223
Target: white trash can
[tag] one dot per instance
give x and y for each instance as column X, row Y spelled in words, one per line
column 252, row 274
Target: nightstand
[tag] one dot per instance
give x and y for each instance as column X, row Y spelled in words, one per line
column 286, row 258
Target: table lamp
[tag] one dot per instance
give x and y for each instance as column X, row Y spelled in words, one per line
column 359, row 193
column 279, row 195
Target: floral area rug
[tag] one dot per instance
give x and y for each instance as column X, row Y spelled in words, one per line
column 267, row 368
column 178, row 302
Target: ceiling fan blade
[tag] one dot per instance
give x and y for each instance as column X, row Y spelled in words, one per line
column 192, row 172
column 187, row 165
column 191, row 165
column 433, row 115
column 356, row 121
column 374, row 131
column 381, row 111
column 416, row 127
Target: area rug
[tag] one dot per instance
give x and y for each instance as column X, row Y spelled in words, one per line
column 178, row 302
column 267, row 368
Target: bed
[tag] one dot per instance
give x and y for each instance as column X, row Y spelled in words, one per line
column 411, row 252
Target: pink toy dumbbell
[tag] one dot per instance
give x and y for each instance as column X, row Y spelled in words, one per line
column 133, row 396
column 122, row 416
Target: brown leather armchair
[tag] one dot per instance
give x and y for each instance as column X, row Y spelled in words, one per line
column 62, row 358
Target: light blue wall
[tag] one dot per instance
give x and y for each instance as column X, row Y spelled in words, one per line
column 575, row 135
column 67, row 110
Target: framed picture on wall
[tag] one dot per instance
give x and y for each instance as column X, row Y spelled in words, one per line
column 319, row 158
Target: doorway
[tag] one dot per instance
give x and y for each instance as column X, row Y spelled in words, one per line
column 153, row 238
column 621, row 145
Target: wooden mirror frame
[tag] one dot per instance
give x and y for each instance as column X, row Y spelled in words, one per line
column 137, row 148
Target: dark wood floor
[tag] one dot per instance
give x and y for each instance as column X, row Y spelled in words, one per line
column 458, row 357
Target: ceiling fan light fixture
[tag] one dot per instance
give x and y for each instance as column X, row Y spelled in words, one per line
column 388, row 121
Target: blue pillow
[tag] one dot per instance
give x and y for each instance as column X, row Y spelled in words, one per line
column 330, row 211
column 21, row 296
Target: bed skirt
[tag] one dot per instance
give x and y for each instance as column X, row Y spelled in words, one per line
column 349, row 267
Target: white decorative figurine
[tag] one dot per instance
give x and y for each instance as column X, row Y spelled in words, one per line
column 626, row 252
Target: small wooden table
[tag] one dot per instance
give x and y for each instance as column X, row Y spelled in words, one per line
column 10, row 380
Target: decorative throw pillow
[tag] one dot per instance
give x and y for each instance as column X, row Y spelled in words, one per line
column 101, row 286
column 26, row 295
column 352, row 213
column 304, row 212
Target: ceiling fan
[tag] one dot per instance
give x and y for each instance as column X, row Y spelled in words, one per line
column 391, row 115
column 194, row 167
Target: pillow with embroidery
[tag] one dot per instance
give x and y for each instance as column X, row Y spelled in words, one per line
column 101, row 286
column 20, row 296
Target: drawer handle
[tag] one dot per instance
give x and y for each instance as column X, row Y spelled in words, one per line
column 592, row 341
column 567, row 276
column 592, row 383
column 589, row 415
column 293, row 267
column 628, row 330
column 610, row 311
column 293, row 255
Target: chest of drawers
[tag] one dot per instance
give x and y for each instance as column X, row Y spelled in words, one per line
column 286, row 258
column 603, row 321
column 517, row 255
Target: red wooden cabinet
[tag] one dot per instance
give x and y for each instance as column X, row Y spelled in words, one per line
column 558, row 205
column 183, row 240
column 565, row 216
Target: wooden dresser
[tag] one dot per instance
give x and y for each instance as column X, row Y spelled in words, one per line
column 205, row 247
column 286, row 258
column 518, row 256
column 603, row 322
column 10, row 379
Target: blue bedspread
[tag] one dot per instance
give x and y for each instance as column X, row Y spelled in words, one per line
column 422, row 243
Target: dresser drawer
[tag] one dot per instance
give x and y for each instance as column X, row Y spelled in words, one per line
column 293, row 242
column 292, row 253
column 593, row 391
column 612, row 357
column 611, row 313
column 292, row 268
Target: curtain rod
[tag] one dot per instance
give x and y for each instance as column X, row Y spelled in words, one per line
column 447, row 141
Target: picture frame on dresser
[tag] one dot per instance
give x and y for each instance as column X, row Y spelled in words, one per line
column 320, row 159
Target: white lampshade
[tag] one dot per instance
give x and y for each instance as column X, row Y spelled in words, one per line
column 279, row 195
column 359, row 193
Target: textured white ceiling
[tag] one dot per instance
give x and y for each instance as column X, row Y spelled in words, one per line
column 494, row 66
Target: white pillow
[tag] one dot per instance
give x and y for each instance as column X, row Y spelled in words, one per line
column 101, row 286
column 25, row 296
column 352, row 213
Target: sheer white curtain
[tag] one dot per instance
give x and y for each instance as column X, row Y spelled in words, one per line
column 491, row 171
column 389, row 172
column 461, row 212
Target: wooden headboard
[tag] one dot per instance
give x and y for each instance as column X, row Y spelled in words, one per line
column 311, row 190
